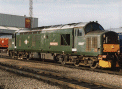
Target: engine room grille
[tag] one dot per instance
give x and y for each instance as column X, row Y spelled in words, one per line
column 94, row 42
column 91, row 42
column 88, row 44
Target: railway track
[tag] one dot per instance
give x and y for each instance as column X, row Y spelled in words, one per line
column 117, row 71
column 52, row 76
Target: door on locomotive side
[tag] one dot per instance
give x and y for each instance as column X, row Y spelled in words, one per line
column 79, row 40
column 36, row 41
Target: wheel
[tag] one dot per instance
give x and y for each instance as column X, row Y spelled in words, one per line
column 12, row 55
column 16, row 58
column 64, row 60
column 55, row 59
column 76, row 63
column 28, row 57
column 21, row 57
column 93, row 65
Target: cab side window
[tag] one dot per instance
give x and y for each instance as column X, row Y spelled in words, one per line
column 79, row 32
column 65, row 39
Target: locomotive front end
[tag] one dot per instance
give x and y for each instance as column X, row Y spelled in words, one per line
column 110, row 50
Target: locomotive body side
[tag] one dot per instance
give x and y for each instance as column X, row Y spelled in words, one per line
column 81, row 44
column 45, row 41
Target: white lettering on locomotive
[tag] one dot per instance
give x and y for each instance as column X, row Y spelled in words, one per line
column 74, row 49
column 80, row 43
column 54, row 43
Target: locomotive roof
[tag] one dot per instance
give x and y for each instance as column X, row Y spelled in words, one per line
column 57, row 27
column 61, row 26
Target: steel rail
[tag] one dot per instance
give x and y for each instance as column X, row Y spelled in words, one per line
column 108, row 71
column 52, row 77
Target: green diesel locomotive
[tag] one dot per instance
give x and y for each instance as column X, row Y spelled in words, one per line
column 79, row 43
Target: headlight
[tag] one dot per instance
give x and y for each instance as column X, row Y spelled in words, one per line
column 118, row 51
column 104, row 56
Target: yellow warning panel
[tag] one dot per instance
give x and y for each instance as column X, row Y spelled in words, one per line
column 105, row 64
column 111, row 47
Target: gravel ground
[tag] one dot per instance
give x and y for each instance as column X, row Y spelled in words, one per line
column 13, row 81
column 104, row 78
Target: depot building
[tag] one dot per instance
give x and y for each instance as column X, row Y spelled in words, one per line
column 11, row 23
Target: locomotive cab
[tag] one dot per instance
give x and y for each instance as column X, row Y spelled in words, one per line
column 97, row 47
column 87, row 38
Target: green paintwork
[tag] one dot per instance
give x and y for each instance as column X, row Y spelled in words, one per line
column 42, row 44
column 43, row 38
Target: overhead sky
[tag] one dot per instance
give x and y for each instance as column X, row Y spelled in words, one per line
column 52, row 12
